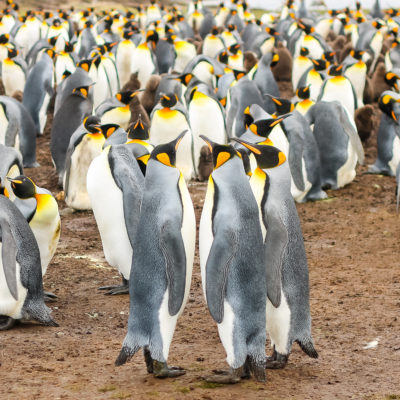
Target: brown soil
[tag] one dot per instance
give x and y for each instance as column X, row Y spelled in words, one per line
column 353, row 247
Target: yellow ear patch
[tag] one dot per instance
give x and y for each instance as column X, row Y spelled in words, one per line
column 223, row 101
column 83, row 91
column 222, row 158
column 386, row 99
column 144, row 159
column 282, row 158
column 267, row 142
column 164, row 159
column 110, row 131
column 253, row 128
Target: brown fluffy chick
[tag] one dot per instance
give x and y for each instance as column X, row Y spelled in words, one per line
column 148, row 96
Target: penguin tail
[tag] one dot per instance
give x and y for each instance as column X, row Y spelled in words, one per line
column 126, row 353
column 308, row 347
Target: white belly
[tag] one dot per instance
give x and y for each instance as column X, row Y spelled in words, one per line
column 119, row 115
column 347, row 172
column 47, row 235
column 8, row 305
column 394, row 162
column 3, row 125
column 43, row 113
column 213, row 126
column 298, row 194
column 13, row 79
column 77, row 196
column 124, row 61
column 342, row 93
column 225, row 331
column 142, row 63
column 203, row 71
column 107, row 205
column 279, row 140
column 357, row 77
column 63, row 63
column 278, row 324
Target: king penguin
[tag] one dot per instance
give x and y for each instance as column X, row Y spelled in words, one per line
column 230, row 244
column 40, row 209
column 168, row 118
column 10, row 166
column 288, row 317
column 162, row 263
column 84, row 145
column 13, row 72
column 21, row 284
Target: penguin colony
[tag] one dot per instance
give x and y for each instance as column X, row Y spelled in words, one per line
column 150, row 98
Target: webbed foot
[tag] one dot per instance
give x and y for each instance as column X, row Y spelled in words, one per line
column 232, row 376
column 116, row 289
column 276, row 361
column 6, row 322
column 161, row 370
column 49, row 297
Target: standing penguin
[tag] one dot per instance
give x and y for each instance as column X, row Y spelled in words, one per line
column 40, row 209
column 21, row 284
column 162, row 263
column 13, row 72
column 10, row 165
column 168, row 118
column 39, row 90
column 231, row 249
column 84, row 145
column 388, row 138
column 288, row 307
column 75, row 108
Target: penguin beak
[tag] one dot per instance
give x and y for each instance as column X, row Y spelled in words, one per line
column 209, row 143
column 179, row 139
column 247, row 145
column 137, row 92
column 14, row 180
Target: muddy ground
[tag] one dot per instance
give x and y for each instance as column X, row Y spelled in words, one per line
column 353, row 246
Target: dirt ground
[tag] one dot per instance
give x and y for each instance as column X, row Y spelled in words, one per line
column 353, row 246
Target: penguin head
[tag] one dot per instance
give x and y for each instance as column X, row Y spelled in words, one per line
column 263, row 127
column 108, row 129
column 336, row 70
column 357, row 54
column 65, row 74
column 12, row 52
column 234, row 48
column 386, row 103
column 267, row 156
column 221, row 153
column 51, row 53
column 307, row 28
column 303, row 92
column 92, row 124
column 166, row 153
column 283, row 106
column 320, row 64
column 248, row 118
column 223, row 57
column 4, row 38
column 185, row 78
column 304, row 52
column 271, row 31
column 378, row 23
column 69, row 47
column 23, row 187
column 82, row 91
column 329, row 56
column 168, row 100
column 3, row 190
column 85, row 64
column 274, row 59
column 126, row 96
column 391, row 79
column 214, row 31
column 52, row 41
column 138, row 130
column 239, row 74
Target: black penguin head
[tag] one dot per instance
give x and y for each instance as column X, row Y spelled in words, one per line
column 221, row 153
column 329, row 56
column 377, row 23
column 336, row 70
column 271, row 31
column 263, row 127
column 4, row 38
column 69, row 47
column 168, row 100
column 283, row 106
column 267, row 156
column 303, row 92
column 231, row 27
column 214, row 31
column 320, row 65
column 391, row 79
column 138, row 130
column 234, row 48
column 185, row 78
column 12, row 52
column 51, row 53
column 3, row 190
column 85, row 64
column 92, row 124
column 307, row 28
column 23, row 187
column 239, row 74
column 248, row 118
column 126, row 96
column 108, row 129
column 66, row 74
column 82, row 91
column 357, row 54
column 166, row 153
column 53, row 40
column 274, row 59
column 386, row 103
column 304, row 52
column 223, row 57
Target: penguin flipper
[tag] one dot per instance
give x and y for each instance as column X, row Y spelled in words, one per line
column 275, row 245
column 351, row 132
column 173, row 249
column 222, row 251
column 296, row 148
column 9, row 257
column 129, row 179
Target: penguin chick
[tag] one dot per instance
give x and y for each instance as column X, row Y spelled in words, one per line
column 379, row 83
column 249, row 60
column 283, row 69
column 205, row 166
column 148, row 96
column 363, row 118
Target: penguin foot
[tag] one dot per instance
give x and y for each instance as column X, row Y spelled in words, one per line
column 374, row 170
column 232, row 376
column 50, row 297
column 148, row 360
column 276, row 361
column 161, row 370
column 115, row 289
column 6, row 322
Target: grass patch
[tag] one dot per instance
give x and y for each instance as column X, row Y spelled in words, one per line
column 106, row 388
column 121, row 395
column 155, row 394
column 210, row 385
column 183, row 389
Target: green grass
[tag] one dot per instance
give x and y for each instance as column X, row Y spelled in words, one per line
column 106, row 388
